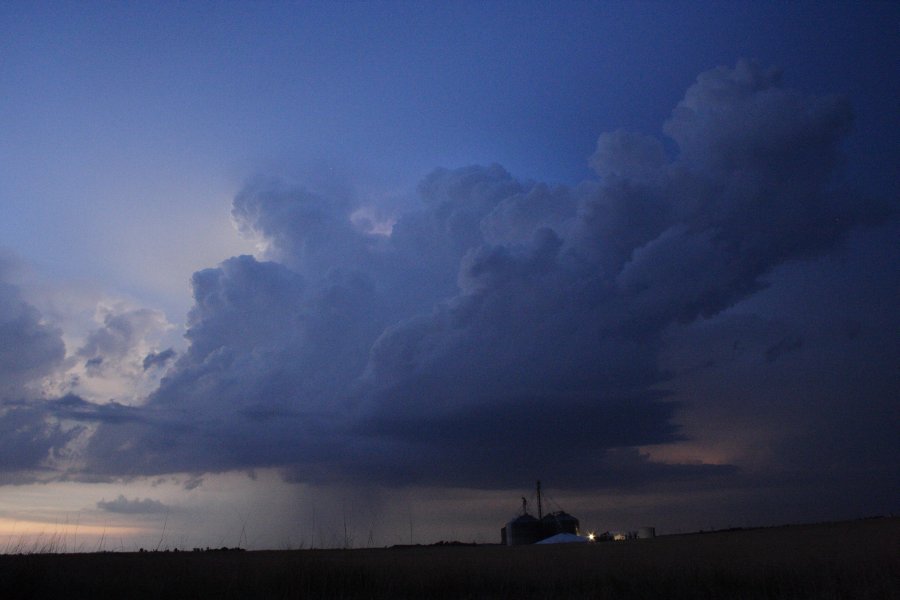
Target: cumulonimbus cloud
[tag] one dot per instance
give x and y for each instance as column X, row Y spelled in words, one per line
column 499, row 313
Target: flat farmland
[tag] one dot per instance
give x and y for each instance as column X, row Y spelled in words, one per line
column 855, row 559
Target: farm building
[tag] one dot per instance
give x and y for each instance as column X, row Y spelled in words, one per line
column 526, row 529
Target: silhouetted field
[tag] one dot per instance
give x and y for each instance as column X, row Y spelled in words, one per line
column 859, row 559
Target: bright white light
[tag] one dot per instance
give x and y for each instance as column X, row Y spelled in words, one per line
column 591, row 537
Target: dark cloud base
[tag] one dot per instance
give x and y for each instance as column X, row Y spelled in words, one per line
column 503, row 330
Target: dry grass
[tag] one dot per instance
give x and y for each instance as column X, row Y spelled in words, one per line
column 859, row 559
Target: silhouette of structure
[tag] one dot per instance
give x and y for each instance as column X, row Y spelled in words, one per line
column 526, row 529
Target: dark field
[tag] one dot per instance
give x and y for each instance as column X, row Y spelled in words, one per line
column 858, row 559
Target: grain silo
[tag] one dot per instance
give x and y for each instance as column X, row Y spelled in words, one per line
column 524, row 529
column 559, row 522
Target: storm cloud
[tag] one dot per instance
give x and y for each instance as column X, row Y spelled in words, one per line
column 30, row 350
column 123, row 505
column 30, row 347
column 501, row 311
column 37, row 434
column 158, row 359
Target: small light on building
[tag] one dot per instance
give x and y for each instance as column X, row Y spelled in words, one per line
column 592, row 536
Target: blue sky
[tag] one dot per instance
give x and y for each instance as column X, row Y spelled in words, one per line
column 115, row 111
column 710, row 270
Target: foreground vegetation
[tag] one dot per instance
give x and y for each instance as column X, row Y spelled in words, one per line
column 859, row 559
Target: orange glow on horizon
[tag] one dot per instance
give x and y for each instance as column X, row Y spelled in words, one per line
column 14, row 531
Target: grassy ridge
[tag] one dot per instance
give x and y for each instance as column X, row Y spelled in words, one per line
column 859, row 559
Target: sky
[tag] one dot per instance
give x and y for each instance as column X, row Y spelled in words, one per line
column 287, row 275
